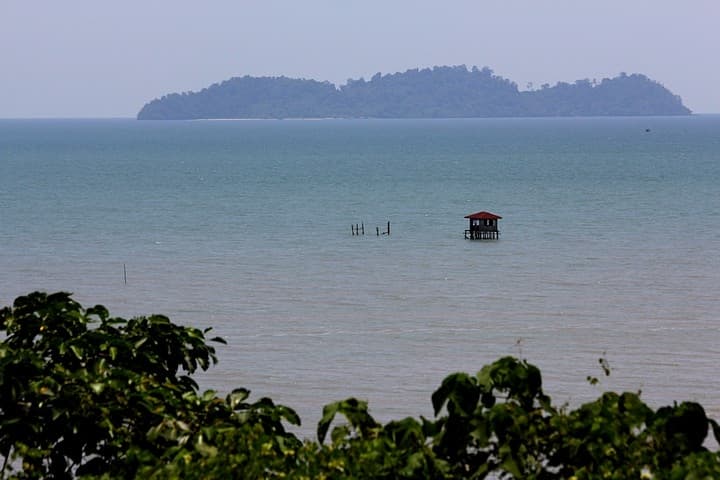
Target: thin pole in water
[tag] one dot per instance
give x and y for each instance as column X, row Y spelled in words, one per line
column 125, row 273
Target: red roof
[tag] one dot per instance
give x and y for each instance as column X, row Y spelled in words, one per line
column 483, row 216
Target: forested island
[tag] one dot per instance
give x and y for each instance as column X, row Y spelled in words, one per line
column 438, row 92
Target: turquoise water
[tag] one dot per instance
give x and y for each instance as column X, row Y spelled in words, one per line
column 610, row 246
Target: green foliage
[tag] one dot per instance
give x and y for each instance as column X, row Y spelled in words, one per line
column 438, row 92
column 83, row 394
column 78, row 388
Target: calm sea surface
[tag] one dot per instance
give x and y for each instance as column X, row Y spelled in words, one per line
column 610, row 246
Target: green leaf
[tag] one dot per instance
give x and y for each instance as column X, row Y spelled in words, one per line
column 459, row 391
column 79, row 352
column 237, row 396
column 290, row 415
column 509, row 464
column 100, row 366
column 415, row 462
column 329, row 412
column 715, row 429
column 206, row 450
column 97, row 387
column 44, row 390
column 484, row 378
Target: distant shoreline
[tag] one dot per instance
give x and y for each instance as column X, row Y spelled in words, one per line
column 260, row 118
column 134, row 119
column 318, row 119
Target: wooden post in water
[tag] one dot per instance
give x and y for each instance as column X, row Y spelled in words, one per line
column 357, row 229
column 125, row 273
column 388, row 231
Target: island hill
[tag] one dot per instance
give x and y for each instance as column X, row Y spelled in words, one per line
column 440, row 92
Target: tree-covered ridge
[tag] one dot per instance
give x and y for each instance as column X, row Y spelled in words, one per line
column 87, row 395
column 440, row 92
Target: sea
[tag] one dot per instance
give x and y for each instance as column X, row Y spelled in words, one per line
column 609, row 248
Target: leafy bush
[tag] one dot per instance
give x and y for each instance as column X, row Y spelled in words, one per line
column 83, row 394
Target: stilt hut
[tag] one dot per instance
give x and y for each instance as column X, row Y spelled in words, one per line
column 483, row 226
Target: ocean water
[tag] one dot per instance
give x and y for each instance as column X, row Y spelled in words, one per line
column 610, row 246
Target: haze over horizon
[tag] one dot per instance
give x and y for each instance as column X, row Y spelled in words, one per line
column 86, row 59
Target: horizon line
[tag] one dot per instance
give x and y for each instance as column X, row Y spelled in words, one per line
column 691, row 114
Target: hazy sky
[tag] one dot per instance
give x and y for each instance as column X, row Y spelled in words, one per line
column 93, row 58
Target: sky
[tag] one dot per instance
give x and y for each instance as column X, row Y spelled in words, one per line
column 92, row 58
